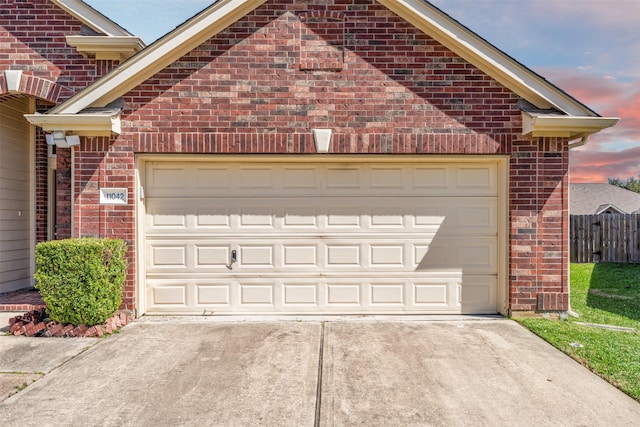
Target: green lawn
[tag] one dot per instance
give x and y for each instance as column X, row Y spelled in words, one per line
column 604, row 294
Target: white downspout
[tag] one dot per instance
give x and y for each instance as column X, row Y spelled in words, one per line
column 580, row 143
column 73, row 204
column 570, row 312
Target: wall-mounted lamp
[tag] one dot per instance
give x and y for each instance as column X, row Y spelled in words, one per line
column 59, row 138
column 322, row 138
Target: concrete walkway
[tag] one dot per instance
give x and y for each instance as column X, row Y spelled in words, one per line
column 373, row 373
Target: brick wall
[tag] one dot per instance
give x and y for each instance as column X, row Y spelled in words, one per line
column 384, row 88
column 32, row 39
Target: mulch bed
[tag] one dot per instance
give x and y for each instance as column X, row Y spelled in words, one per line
column 35, row 323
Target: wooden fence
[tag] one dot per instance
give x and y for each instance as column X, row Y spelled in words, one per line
column 605, row 238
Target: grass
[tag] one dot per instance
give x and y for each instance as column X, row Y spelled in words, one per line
column 607, row 294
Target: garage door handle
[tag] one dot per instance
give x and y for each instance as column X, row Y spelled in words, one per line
column 234, row 256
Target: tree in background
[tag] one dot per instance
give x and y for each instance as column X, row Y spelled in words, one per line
column 630, row 183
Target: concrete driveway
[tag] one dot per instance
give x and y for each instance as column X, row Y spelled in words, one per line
column 333, row 373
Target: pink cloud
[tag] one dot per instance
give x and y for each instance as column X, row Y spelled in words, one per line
column 613, row 152
column 589, row 165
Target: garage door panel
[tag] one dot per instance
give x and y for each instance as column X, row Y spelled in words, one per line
column 387, row 294
column 252, row 216
column 296, row 255
column 300, row 178
column 437, row 294
column 481, row 178
column 169, row 294
column 474, row 179
column 300, row 294
column 212, row 178
column 261, row 294
column 213, row 296
column 306, row 254
column 402, row 253
column 297, row 216
column 479, row 293
column 458, row 216
column 331, row 295
column 175, row 256
column 321, row 238
column 469, row 254
column 208, row 255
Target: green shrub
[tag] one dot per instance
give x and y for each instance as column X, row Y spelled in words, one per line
column 81, row 280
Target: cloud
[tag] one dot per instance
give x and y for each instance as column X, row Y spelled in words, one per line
column 613, row 152
column 609, row 97
column 589, row 165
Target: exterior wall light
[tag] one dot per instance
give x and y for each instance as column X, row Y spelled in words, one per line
column 59, row 138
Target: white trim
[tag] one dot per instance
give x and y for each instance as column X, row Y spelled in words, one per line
column 91, row 17
column 73, row 193
column 548, row 125
column 32, row 195
column 140, row 231
column 117, row 48
column 102, row 124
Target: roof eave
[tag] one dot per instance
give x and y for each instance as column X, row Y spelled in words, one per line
column 91, row 17
column 486, row 57
column 83, row 124
column 117, row 48
column 542, row 125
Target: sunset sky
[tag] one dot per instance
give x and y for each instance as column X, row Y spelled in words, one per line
column 589, row 48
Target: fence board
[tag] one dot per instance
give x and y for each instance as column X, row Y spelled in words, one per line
column 605, row 238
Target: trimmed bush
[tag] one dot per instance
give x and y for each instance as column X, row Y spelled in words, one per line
column 81, row 280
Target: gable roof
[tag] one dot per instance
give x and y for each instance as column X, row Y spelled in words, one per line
column 110, row 40
column 91, row 18
column 587, row 199
column 556, row 113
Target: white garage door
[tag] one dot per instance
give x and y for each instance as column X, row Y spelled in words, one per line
column 16, row 242
column 330, row 238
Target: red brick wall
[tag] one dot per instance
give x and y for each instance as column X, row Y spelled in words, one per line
column 32, row 39
column 386, row 88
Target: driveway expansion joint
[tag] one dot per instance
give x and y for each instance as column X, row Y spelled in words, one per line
column 319, row 384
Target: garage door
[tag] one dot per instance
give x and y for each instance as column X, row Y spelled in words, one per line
column 16, row 260
column 320, row 238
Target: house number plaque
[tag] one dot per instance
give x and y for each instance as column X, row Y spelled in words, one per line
column 113, row 196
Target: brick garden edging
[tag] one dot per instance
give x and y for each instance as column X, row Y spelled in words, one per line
column 34, row 324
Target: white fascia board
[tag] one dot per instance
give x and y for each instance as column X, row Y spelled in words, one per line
column 486, row 57
column 106, row 47
column 159, row 55
column 78, row 124
column 91, row 17
column 541, row 125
